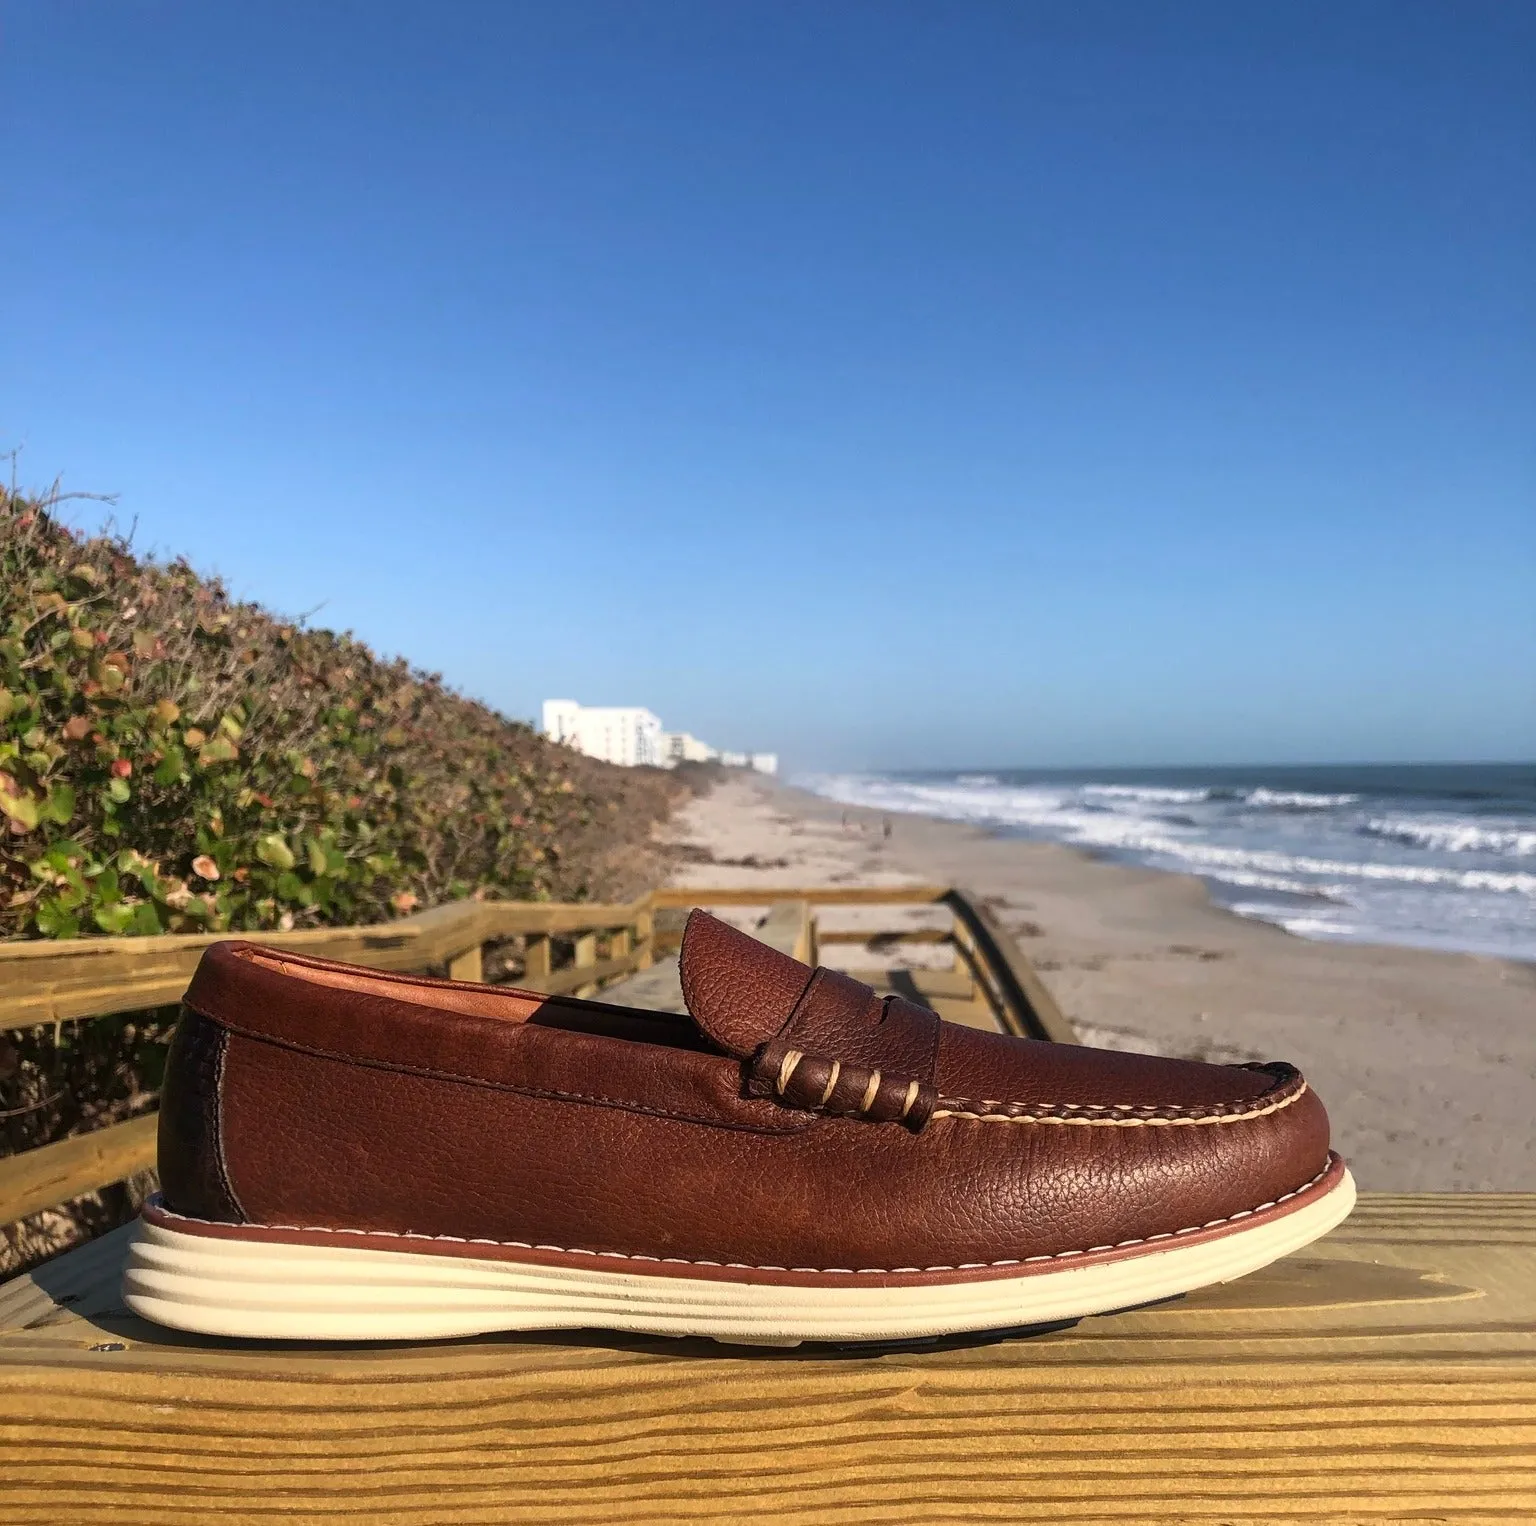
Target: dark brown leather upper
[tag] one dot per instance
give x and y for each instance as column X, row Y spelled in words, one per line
column 798, row 1121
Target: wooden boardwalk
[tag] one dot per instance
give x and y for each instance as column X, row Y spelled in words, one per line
column 1386, row 1374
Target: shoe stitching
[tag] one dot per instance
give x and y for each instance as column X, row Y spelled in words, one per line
column 1287, row 1090
column 1169, row 1119
column 158, row 1206
column 959, row 1108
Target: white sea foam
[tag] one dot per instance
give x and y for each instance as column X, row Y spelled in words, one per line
column 1270, row 861
column 1436, row 878
column 1508, row 839
column 1321, row 927
column 1249, row 879
column 1296, row 800
column 1055, row 812
column 1153, row 794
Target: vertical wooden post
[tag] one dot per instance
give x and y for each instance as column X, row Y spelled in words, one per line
column 467, row 966
column 645, row 940
column 586, row 953
column 536, row 956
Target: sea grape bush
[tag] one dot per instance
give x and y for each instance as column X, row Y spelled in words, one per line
column 172, row 760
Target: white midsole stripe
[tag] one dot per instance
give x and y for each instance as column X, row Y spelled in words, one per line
column 265, row 1290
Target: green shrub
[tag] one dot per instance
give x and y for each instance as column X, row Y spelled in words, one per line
column 174, row 761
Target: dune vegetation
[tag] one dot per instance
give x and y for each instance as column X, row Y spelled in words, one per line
column 175, row 760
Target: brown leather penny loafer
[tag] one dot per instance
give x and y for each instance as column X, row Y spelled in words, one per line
column 353, row 1155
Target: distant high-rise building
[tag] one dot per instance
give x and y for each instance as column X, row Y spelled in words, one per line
column 628, row 735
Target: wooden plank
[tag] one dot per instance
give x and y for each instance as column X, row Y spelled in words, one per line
column 538, row 959
column 586, row 957
column 953, row 984
column 467, row 966
column 48, row 981
column 58, row 1173
column 657, row 988
column 790, row 928
column 579, row 978
column 1026, row 1007
column 884, row 935
column 1386, row 1374
column 969, row 1014
column 817, row 895
column 645, row 940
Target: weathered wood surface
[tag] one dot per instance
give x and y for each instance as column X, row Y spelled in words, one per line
column 55, row 1173
column 658, row 989
column 44, row 981
column 1386, row 1374
column 1023, row 1004
column 48, row 981
column 817, row 895
column 790, row 928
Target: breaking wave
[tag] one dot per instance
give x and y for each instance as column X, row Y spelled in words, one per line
column 1296, row 800
column 1374, row 861
column 1510, row 840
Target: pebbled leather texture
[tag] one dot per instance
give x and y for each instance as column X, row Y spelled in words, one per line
column 189, row 1140
column 357, row 1100
column 739, row 991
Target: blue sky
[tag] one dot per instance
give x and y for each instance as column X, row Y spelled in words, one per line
column 890, row 384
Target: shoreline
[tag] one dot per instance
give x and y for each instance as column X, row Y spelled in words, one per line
column 1426, row 1059
column 1434, row 857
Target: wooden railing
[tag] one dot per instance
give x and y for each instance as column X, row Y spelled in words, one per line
column 1387, row 1373
column 51, row 982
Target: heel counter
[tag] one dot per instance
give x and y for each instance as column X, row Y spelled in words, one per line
column 194, row 1175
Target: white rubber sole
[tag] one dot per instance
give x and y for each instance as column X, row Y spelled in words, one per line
column 219, row 1285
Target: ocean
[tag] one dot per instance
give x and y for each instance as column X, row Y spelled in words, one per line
column 1432, row 855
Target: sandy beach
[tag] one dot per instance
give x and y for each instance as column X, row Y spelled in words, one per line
column 1427, row 1061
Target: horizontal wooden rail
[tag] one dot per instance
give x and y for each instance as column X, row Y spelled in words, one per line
column 817, row 895
column 575, row 976
column 47, row 981
column 1024, row 1005
column 884, row 935
column 58, row 1173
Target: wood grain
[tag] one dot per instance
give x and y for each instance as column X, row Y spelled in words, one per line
column 47, row 981
column 56, row 1173
column 1386, row 1374
column 817, row 895
column 1023, row 1003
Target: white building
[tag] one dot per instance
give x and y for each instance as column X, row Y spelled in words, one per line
column 682, row 747
column 628, row 735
